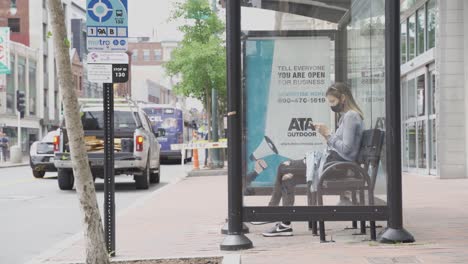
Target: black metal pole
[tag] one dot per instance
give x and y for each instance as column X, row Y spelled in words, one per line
column 235, row 240
column 109, row 185
column 395, row 231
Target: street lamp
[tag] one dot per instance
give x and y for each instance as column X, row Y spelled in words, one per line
column 13, row 8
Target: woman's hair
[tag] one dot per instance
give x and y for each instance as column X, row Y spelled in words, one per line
column 338, row 89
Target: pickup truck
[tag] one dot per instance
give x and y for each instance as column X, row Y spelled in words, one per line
column 137, row 150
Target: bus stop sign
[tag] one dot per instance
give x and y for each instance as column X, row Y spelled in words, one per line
column 107, row 25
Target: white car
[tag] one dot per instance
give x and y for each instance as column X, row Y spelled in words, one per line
column 41, row 155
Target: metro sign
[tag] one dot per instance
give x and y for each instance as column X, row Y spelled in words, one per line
column 107, row 25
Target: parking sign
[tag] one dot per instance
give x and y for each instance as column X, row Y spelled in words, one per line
column 107, row 25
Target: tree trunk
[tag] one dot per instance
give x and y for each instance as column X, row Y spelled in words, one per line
column 96, row 252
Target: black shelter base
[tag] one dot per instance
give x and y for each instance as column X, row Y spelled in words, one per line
column 236, row 242
column 224, row 229
column 392, row 236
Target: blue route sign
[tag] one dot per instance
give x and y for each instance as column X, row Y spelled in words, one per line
column 107, row 25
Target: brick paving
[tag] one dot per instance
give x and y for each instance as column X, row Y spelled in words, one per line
column 184, row 219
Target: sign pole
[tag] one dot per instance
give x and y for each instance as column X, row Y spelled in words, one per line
column 395, row 231
column 235, row 240
column 107, row 42
column 109, row 183
column 19, row 132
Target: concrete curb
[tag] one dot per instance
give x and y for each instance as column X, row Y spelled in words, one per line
column 14, row 165
column 226, row 259
column 232, row 259
column 200, row 173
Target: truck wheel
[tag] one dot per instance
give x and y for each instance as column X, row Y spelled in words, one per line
column 65, row 179
column 142, row 181
column 38, row 174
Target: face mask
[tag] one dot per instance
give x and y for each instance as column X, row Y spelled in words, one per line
column 337, row 108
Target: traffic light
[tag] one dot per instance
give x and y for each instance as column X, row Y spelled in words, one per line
column 20, row 102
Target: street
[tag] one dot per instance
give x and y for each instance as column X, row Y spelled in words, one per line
column 36, row 215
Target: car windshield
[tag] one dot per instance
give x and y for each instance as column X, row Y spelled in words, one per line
column 94, row 120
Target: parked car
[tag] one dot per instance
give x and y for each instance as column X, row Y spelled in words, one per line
column 137, row 150
column 41, row 155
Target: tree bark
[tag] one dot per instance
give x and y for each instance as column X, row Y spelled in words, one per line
column 96, row 252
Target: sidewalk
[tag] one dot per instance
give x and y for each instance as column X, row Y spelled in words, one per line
column 9, row 164
column 185, row 219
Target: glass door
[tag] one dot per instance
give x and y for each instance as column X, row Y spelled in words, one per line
column 415, row 125
column 432, row 136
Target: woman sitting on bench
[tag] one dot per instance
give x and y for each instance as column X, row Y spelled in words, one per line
column 343, row 145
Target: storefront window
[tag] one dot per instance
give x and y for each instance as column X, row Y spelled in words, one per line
column 433, row 143
column 432, row 92
column 404, row 42
column 411, row 144
column 411, row 95
column 421, row 91
column 431, row 23
column 422, row 159
column 407, row 4
column 421, row 29
column 32, row 88
column 411, row 37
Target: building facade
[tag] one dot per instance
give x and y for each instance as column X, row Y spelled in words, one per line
column 149, row 81
column 33, row 68
column 434, row 85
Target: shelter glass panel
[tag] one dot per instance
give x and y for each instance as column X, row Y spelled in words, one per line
column 313, row 93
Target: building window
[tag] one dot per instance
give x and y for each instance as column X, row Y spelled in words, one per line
column 135, row 55
column 32, row 88
column 431, row 23
column 421, row 30
column 157, row 55
column 404, row 42
column 22, row 74
column 411, row 37
column 421, row 98
column 11, row 86
column 411, row 95
column 14, row 24
column 146, row 55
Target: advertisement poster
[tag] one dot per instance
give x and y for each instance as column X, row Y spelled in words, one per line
column 285, row 84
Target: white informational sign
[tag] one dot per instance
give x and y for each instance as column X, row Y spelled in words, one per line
column 5, row 50
column 100, row 73
column 297, row 99
column 106, row 67
column 107, row 58
column 107, row 25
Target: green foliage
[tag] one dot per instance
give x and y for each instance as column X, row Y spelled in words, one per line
column 200, row 59
column 49, row 34
column 67, row 43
